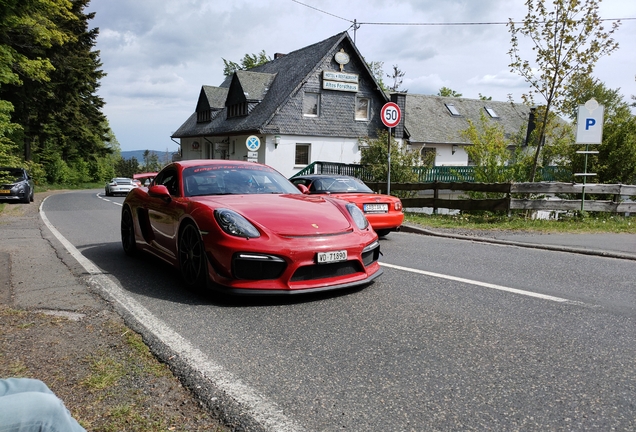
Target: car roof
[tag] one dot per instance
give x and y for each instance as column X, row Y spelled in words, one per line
column 212, row 162
column 317, row 176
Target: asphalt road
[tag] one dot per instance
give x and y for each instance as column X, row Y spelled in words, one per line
column 456, row 335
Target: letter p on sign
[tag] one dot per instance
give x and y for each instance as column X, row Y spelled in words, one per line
column 589, row 128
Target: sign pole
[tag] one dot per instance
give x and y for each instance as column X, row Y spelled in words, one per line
column 391, row 116
column 587, row 146
column 388, row 172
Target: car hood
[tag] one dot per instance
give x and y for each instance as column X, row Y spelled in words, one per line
column 290, row 215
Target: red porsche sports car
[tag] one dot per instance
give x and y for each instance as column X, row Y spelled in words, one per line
column 384, row 212
column 242, row 227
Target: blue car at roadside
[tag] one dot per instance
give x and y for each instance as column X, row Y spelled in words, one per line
column 16, row 185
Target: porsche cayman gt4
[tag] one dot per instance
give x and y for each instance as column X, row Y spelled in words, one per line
column 242, row 227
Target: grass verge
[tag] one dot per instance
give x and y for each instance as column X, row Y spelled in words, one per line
column 568, row 223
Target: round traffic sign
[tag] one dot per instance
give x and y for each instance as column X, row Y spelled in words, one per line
column 390, row 114
column 253, row 143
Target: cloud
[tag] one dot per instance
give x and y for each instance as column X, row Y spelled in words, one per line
column 158, row 53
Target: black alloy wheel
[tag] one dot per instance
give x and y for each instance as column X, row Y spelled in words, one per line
column 128, row 232
column 192, row 260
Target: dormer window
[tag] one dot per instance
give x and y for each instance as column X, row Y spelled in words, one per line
column 237, row 110
column 491, row 112
column 204, row 116
column 452, row 109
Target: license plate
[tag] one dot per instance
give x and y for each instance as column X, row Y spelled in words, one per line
column 376, row 208
column 5, row 191
column 333, row 256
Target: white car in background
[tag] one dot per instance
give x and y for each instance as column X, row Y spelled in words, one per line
column 119, row 185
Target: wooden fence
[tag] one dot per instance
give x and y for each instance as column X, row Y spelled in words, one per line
column 546, row 191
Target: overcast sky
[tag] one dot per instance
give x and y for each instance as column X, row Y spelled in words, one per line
column 158, row 53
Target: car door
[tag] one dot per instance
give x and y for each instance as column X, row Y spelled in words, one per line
column 164, row 215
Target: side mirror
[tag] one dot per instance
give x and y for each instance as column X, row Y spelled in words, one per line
column 304, row 189
column 160, row 191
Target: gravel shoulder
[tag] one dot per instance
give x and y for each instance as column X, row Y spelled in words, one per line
column 53, row 328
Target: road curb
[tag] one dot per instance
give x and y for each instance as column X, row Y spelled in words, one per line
column 594, row 252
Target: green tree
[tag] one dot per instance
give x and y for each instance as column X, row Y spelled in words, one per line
column 375, row 158
column 376, row 68
column 26, row 28
column 7, row 146
column 489, row 150
column 248, row 61
column 568, row 39
column 65, row 112
column 151, row 162
column 397, row 78
column 126, row 167
column 448, row 92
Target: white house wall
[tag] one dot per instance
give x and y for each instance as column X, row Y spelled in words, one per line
column 445, row 156
column 281, row 157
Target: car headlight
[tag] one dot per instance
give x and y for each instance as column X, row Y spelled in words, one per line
column 358, row 216
column 234, row 224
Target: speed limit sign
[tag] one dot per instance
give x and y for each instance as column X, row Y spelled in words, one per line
column 390, row 114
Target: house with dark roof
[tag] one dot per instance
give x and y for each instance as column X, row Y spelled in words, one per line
column 435, row 124
column 313, row 104
column 320, row 103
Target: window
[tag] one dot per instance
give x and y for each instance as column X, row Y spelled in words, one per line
column 491, row 112
column 302, row 154
column 169, row 179
column 237, row 110
column 362, row 109
column 204, row 116
column 452, row 109
column 428, row 155
column 311, row 104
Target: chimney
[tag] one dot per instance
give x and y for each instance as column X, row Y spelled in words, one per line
column 279, row 55
column 531, row 126
column 400, row 100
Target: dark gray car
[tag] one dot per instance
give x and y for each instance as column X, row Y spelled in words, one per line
column 16, row 185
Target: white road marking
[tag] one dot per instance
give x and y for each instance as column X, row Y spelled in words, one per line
column 482, row 284
column 107, row 200
column 266, row 412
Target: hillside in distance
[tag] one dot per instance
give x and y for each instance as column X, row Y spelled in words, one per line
column 163, row 156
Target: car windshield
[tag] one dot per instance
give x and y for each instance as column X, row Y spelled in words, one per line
column 223, row 180
column 11, row 175
column 339, row 185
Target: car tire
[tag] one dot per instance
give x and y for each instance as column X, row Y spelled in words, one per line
column 27, row 198
column 192, row 260
column 128, row 232
column 32, row 196
column 382, row 232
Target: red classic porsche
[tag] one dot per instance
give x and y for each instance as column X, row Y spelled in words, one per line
column 242, row 227
column 384, row 212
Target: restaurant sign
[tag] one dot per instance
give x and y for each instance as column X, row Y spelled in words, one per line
column 340, row 81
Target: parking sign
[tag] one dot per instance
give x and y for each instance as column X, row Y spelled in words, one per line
column 589, row 128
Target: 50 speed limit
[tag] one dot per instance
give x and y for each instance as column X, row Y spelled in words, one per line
column 390, row 114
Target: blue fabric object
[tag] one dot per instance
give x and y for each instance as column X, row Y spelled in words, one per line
column 28, row 405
